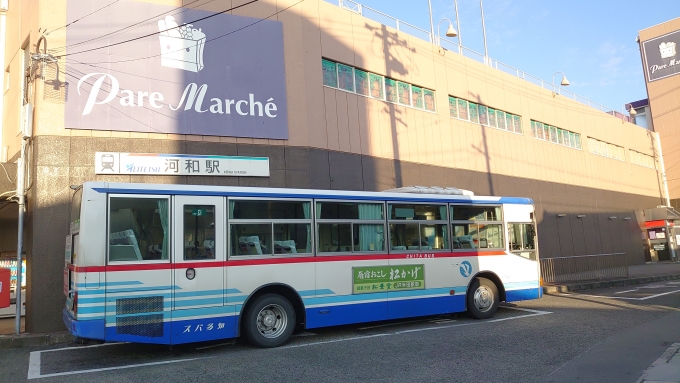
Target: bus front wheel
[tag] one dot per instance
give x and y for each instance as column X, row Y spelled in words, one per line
column 482, row 299
column 270, row 321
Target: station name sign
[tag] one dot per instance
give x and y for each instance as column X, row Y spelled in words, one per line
column 180, row 164
column 178, row 71
column 661, row 56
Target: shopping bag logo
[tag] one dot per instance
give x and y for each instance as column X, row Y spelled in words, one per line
column 181, row 45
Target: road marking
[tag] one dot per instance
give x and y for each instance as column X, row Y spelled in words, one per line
column 626, row 291
column 628, row 298
column 38, row 375
column 34, row 358
column 331, row 341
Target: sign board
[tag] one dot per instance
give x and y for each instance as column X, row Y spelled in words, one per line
column 661, row 56
column 180, row 164
column 179, row 70
column 382, row 279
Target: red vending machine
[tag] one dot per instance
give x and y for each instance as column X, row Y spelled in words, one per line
column 4, row 288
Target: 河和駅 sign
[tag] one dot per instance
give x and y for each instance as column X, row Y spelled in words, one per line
column 661, row 56
column 179, row 70
column 180, row 164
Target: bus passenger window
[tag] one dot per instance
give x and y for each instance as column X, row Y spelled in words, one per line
column 138, row 229
column 199, row 232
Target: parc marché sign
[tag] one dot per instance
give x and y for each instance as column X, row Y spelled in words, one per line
column 382, row 279
column 180, row 164
column 179, row 71
column 661, row 56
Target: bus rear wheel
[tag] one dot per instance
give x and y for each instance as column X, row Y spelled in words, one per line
column 482, row 299
column 269, row 321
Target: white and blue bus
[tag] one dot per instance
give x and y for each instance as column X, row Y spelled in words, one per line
column 173, row 264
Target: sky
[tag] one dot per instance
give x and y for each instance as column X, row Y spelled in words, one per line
column 591, row 41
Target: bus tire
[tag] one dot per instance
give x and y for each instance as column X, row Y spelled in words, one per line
column 482, row 299
column 269, row 321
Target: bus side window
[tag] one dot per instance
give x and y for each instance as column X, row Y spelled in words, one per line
column 138, row 229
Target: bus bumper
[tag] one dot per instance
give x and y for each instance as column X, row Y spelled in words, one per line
column 89, row 329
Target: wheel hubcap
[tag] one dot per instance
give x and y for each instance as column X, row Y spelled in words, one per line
column 483, row 298
column 272, row 321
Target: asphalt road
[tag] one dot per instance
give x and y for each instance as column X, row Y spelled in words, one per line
column 609, row 335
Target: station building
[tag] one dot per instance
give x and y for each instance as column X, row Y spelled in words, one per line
column 334, row 95
column 660, row 51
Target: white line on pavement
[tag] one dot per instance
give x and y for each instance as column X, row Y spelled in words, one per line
column 626, row 291
column 331, row 341
column 109, row 368
column 535, row 313
column 628, row 298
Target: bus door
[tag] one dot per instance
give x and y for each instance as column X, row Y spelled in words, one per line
column 199, row 255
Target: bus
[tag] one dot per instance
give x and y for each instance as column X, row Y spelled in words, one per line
column 174, row 264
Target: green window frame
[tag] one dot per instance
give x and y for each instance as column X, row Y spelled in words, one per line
column 361, row 82
column 377, row 86
column 404, row 91
column 391, row 93
column 346, row 77
column 453, row 107
column 330, row 73
column 417, row 94
column 474, row 112
column 429, row 101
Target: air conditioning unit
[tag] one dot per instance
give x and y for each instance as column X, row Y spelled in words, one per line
column 27, row 127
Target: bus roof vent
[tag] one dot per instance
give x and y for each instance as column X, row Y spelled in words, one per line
column 430, row 190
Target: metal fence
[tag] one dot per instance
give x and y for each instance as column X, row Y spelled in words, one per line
column 584, row 267
column 425, row 35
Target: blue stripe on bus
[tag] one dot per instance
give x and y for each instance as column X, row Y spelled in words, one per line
column 107, row 284
column 196, row 330
column 311, row 293
column 523, row 294
column 140, row 289
column 406, row 197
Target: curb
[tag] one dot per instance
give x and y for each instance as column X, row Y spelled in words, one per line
column 33, row 340
column 663, row 359
column 565, row 288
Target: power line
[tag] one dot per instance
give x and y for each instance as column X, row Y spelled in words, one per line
column 207, row 41
column 134, row 26
column 155, row 33
column 77, row 20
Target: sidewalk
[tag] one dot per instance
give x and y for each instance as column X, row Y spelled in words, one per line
column 638, row 274
column 666, row 369
column 10, row 340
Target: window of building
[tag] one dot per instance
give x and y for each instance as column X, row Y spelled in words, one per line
column 482, row 114
column 354, row 80
column 138, row 229
column 638, row 158
column 555, row 135
column 418, row 227
column 347, row 227
column 270, row 227
column 606, row 149
column 476, row 227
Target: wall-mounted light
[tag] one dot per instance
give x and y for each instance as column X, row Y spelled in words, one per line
column 626, row 218
column 561, row 215
column 580, row 216
column 612, row 217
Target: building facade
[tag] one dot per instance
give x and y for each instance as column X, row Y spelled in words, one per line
column 358, row 105
column 660, row 51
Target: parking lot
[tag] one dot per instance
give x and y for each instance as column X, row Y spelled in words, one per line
column 599, row 335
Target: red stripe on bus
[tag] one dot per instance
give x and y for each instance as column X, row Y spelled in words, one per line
column 275, row 261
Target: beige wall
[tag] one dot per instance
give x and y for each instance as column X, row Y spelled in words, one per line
column 664, row 101
column 326, row 118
